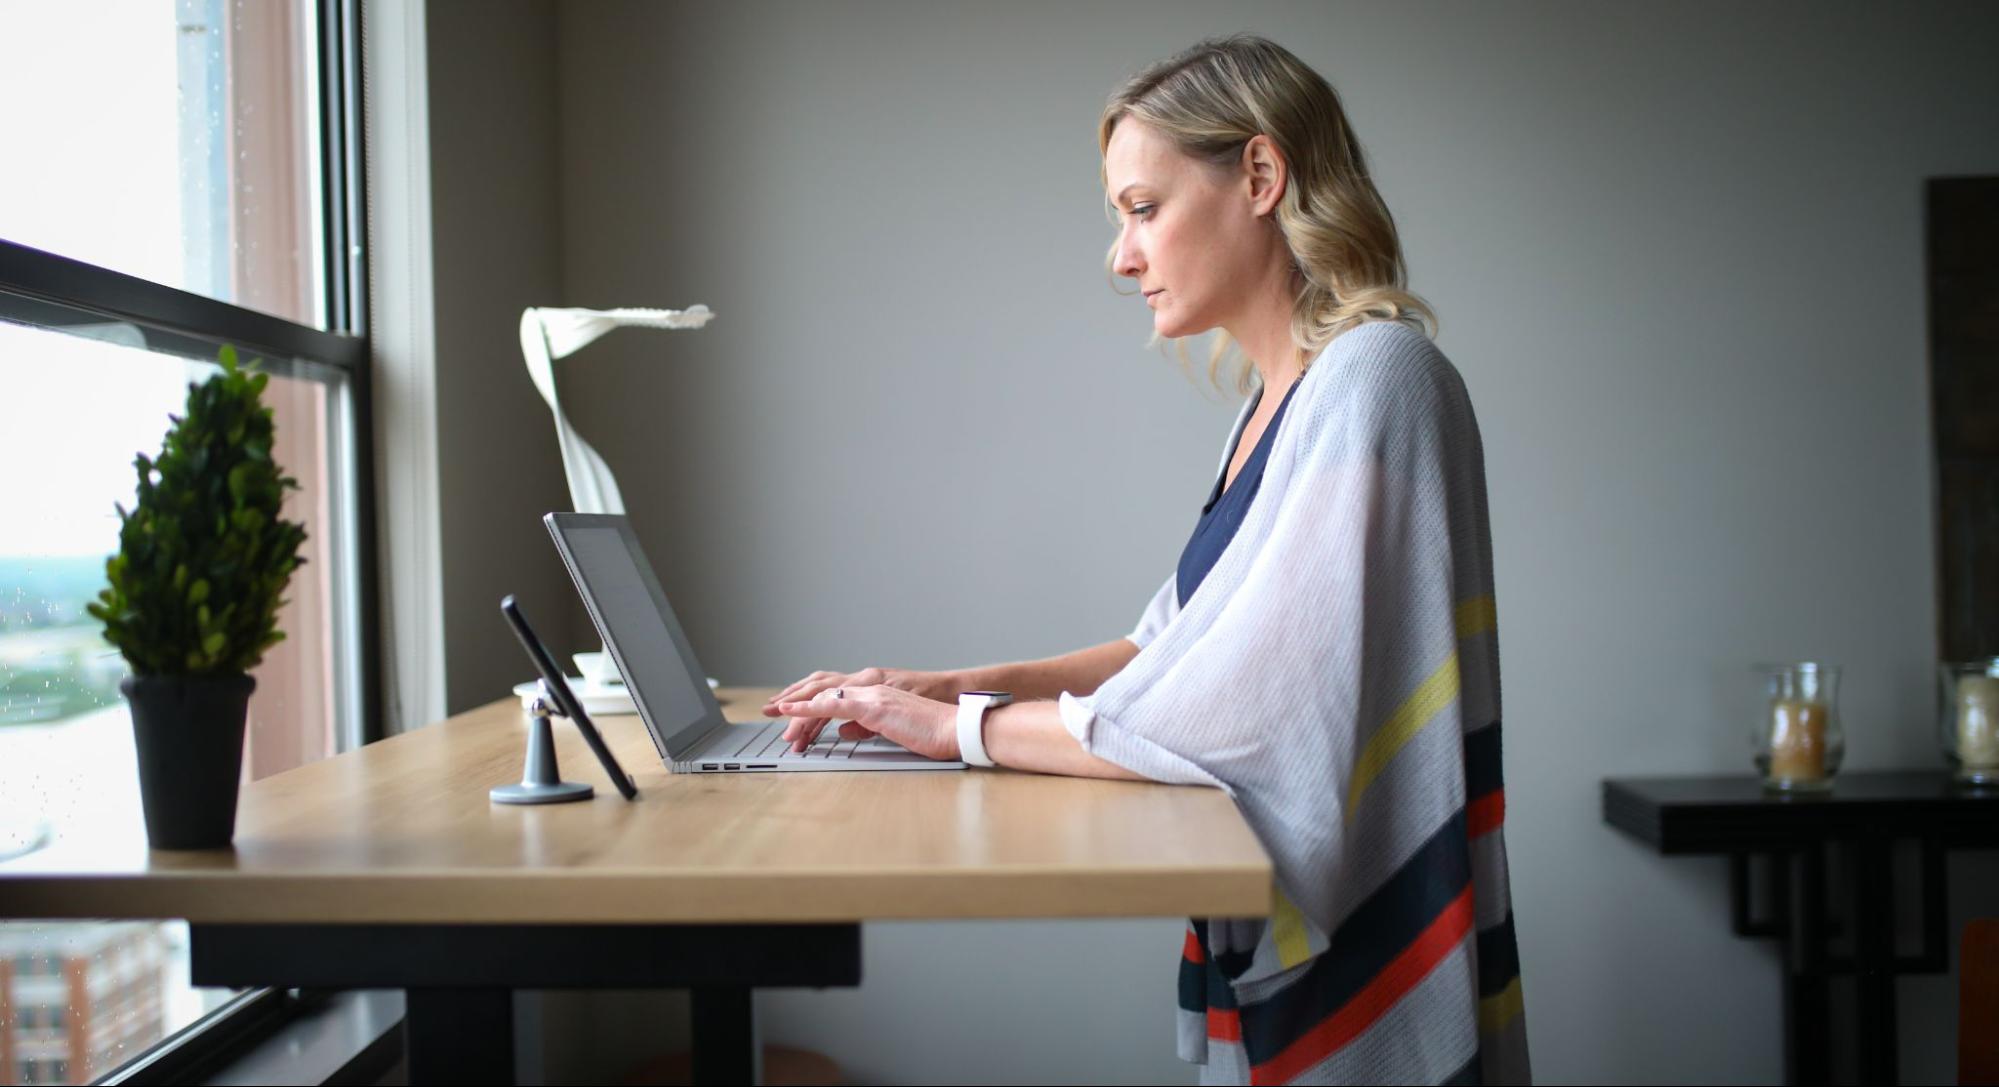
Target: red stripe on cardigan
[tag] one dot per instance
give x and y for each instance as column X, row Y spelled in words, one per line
column 1484, row 815
column 1394, row 982
column 1191, row 950
column 1225, row 1026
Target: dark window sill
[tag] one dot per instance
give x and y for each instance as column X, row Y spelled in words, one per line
column 353, row 1037
column 283, row 1036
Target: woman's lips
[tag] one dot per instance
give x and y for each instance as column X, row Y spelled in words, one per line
column 1150, row 295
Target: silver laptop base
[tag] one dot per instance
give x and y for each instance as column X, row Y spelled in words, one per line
column 738, row 749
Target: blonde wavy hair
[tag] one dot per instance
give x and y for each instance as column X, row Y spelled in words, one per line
column 1346, row 255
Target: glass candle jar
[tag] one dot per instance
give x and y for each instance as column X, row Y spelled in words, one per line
column 1799, row 743
column 1968, row 723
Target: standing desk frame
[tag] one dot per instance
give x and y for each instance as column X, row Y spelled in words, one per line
column 389, row 867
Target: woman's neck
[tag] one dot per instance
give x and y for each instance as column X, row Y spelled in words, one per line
column 1264, row 334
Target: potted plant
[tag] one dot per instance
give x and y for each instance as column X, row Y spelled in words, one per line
column 193, row 598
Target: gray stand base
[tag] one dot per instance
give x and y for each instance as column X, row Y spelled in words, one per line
column 541, row 780
column 524, row 793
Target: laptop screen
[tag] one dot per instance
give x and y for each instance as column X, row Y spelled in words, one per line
column 638, row 627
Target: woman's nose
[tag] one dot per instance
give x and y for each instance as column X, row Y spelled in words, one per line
column 1129, row 261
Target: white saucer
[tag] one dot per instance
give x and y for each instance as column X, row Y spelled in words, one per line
column 598, row 698
column 598, row 701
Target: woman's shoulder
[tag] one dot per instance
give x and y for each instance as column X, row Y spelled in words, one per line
column 1386, row 361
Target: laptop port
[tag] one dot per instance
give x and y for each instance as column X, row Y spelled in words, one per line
column 708, row 766
column 732, row 766
column 763, row 766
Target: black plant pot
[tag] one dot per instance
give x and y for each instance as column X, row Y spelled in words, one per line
column 189, row 731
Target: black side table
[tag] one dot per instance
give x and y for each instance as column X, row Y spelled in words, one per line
column 1864, row 814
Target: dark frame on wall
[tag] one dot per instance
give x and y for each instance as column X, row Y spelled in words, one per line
column 1961, row 248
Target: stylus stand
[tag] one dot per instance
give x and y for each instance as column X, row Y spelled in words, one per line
column 541, row 779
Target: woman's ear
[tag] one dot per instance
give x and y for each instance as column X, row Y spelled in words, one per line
column 1265, row 172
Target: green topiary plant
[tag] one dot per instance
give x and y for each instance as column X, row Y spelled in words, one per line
column 203, row 555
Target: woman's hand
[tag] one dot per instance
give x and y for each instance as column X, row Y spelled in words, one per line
column 925, row 726
column 940, row 686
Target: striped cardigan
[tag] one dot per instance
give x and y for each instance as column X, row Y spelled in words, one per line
column 1337, row 672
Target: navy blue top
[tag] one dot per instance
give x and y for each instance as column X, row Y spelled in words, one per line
column 1224, row 512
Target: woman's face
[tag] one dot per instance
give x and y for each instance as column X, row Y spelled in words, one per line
column 1190, row 235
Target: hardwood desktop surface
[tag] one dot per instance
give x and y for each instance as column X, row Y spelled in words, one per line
column 401, row 831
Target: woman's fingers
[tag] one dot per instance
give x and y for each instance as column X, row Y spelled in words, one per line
column 911, row 720
column 770, row 707
column 807, row 736
column 801, row 731
column 812, row 712
column 849, row 730
column 843, row 703
column 818, row 682
column 806, row 690
column 805, row 727
column 822, row 703
column 811, row 733
column 796, row 684
column 824, row 681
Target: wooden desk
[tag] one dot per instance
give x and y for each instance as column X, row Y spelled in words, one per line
column 389, row 867
column 1864, row 814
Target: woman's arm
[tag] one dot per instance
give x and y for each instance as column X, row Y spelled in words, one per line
column 1081, row 672
column 1031, row 736
column 1024, row 735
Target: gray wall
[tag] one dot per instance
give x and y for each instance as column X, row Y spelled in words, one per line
column 1677, row 254
column 496, row 226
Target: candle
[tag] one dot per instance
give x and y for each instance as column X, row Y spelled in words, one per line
column 1797, row 740
column 1978, row 722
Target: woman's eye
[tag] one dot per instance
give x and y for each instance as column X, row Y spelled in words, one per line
column 1144, row 211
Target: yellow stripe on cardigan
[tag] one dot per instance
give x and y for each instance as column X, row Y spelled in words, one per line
column 1476, row 616
column 1287, row 931
column 1440, row 690
column 1497, row 1010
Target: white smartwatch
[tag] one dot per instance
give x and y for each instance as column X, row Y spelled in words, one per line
column 972, row 707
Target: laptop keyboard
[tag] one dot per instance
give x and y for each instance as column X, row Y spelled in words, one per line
column 768, row 743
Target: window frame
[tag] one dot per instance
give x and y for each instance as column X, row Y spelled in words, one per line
column 66, row 295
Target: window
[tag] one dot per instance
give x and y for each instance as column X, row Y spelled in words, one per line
column 190, row 187
column 173, row 140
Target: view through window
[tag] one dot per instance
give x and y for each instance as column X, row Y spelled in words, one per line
column 177, row 141
column 83, row 996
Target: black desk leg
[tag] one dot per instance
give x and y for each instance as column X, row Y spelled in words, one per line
column 725, row 1036
column 1874, row 887
column 459, row 1035
column 1807, row 999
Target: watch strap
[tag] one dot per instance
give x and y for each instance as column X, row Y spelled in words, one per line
column 972, row 707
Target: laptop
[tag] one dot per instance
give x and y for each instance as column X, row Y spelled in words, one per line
column 651, row 652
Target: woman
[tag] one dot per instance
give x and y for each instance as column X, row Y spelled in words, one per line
column 1327, row 650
